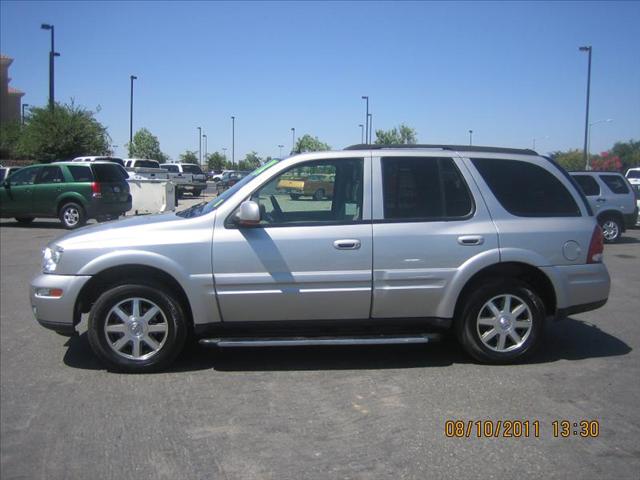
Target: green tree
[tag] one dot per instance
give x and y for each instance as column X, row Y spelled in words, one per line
column 63, row 133
column 628, row 152
column 9, row 137
column 215, row 161
column 146, row 145
column 570, row 160
column 189, row 156
column 251, row 162
column 402, row 135
column 307, row 143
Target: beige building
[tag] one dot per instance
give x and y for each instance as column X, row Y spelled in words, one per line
column 10, row 98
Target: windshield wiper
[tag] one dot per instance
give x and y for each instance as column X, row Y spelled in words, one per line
column 190, row 212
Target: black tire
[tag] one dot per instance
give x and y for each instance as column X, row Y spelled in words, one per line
column 295, row 196
column 72, row 216
column 24, row 220
column 470, row 326
column 611, row 229
column 196, row 192
column 319, row 194
column 170, row 342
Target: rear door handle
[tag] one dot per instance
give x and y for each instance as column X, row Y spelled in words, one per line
column 601, row 200
column 347, row 244
column 470, row 240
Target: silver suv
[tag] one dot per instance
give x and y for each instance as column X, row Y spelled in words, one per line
column 612, row 199
column 410, row 243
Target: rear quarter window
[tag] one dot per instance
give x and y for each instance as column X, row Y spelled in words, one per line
column 525, row 189
column 615, row 183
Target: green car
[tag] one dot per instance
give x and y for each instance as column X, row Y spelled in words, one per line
column 71, row 191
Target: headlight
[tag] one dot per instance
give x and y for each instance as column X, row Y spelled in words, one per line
column 51, row 258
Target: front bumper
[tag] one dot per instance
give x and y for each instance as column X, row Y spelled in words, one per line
column 57, row 313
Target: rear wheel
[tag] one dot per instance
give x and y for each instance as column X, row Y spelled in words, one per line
column 294, row 196
column 72, row 215
column 24, row 219
column 137, row 328
column 502, row 322
column 611, row 229
column 319, row 194
column 196, row 192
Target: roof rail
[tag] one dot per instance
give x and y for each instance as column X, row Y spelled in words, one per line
column 459, row 148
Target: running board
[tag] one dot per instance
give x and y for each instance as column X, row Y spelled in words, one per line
column 308, row 341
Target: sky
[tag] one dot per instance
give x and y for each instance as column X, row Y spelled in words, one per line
column 509, row 71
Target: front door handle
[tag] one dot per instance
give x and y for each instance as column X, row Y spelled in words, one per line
column 601, row 200
column 470, row 240
column 347, row 244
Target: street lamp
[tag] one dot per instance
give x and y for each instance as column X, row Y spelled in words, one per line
column 366, row 118
column 293, row 139
column 586, row 122
column 280, row 147
column 132, row 78
column 361, row 133
column 52, row 55
column 205, row 147
column 608, row 120
column 233, row 142
column 370, row 117
column 224, row 152
column 199, row 146
column 24, row 105
column 470, row 137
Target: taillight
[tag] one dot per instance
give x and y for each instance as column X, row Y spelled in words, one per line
column 596, row 247
column 96, row 189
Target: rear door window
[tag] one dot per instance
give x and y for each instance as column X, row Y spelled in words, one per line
column 424, row 189
column 80, row 173
column 525, row 189
column 615, row 183
column 50, row 175
column 588, row 184
column 108, row 173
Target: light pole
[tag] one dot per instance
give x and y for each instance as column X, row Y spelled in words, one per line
column 24, row 105
column 370, row 117
column 608, row 120
column 366, row 118
column 52, row 55
column 205, row 148
column 586, row 122
column 293, row 139
column 132, row 78
column 361, row 133
column 280, row 147
column 470, row 137
column 233, row 142
column 200, row 146
column 224, row 152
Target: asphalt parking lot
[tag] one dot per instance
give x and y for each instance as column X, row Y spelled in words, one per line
column 315, row 413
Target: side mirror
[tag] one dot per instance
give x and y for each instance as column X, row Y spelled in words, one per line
column 248, row 215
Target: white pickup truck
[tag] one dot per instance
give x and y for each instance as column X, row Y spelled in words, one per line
column 188, row 177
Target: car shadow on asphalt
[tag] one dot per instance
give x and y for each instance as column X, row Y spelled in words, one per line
column 54, row 224
column 569, row 339
column 626, row 240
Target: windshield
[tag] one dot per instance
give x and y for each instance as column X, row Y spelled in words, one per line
column 207, row 207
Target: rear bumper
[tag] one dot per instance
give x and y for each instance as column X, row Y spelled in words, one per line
column 57, row 313
column 579, row 288
column 98, row 208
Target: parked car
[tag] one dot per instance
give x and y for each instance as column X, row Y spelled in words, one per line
column 71, row 191
column 230, row 178
column 141, row 163
column 486, row 242
column 196, row 185
column 6, row 171
column 633, row 176
column 318, row 186
column 218, row 176
column 612, row 199
column 117, row 160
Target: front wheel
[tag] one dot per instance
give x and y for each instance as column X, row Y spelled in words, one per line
column 611, row 230
column 137, row 328
column 319, row 194
column 72, row 215
column 196, row 192
column 502, row 322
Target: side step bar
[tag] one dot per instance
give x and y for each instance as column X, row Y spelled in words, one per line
column 308, row 341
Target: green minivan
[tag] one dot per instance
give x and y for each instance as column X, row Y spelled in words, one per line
column 71, row 191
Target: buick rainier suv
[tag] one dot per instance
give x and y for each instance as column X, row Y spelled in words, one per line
column 414, row 241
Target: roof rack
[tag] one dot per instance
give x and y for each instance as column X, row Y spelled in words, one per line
column 459, row 148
